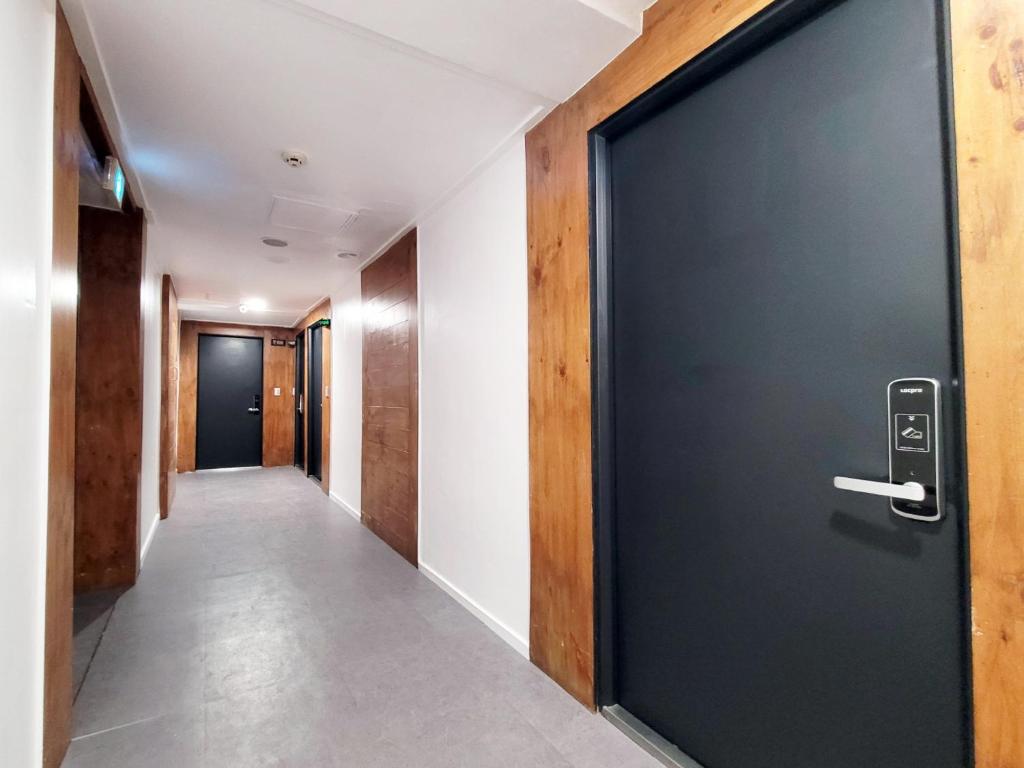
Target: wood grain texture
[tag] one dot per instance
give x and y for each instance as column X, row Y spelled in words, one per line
column 278, row 410
column 60, row 528
column 278, row 371
column 561, row 514
column 188, row 369
column 390, row 398
column 988, row 83
column 169, row 369
column 108, row 454
column 321, row 311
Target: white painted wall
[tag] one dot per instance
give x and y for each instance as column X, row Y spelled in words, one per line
column 347, row 396
column 26, row 212
column 149, row 483
column 474, row 459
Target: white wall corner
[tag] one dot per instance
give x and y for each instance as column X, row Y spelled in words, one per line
column 149, row 538
column 345, row 505
column 502, row 630
column 510, row 140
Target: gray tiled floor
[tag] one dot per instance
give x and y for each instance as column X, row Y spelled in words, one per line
column 92, row 612
column 269, row 628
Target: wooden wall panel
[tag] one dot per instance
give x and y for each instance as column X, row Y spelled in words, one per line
column 109, row 399
column 278, row 371
column 278, row 410
column 561, row 517
column 169, row 367
column 188, row 369
column 988, row 64
column 391, row 398
column 60, row 529
column 320, row 312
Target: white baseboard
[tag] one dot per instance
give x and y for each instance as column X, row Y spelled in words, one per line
column 149, row 539
column 521, row 645
column 345, row 505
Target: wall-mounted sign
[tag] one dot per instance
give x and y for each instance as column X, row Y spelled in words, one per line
column 323, row 323
column 278, row 342
column 113, row 179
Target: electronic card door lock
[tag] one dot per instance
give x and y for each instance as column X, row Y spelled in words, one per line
column 915, row 480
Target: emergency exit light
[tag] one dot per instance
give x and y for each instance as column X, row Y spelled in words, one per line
column 113, row 179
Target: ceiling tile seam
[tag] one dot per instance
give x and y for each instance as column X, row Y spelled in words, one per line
column 89, row 52
column 525, row 125
column 356, row 30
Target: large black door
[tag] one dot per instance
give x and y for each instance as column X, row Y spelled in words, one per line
column 229, row 419
column 316, row 403
column 300, row 379
column 773, row 248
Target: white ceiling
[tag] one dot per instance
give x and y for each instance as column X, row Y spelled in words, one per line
column 396, row 102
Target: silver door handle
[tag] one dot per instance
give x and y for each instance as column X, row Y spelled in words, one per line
column 905, row 491
column 300, row 403
column 254, row 410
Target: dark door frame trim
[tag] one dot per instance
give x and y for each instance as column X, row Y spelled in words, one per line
column 777, row 20
column 299, row 417
column 307, row 384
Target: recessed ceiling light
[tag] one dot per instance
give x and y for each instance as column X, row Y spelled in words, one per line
column 347, row 255
column 256, row 305
column 242, row 308
column 294, row 158
column 274, row 242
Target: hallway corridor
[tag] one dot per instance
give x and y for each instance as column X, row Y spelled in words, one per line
column 268, row 628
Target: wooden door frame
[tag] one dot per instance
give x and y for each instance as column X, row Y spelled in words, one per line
column 170, row 323
column 320, row 311
column 188, row 350
column 988, row 115
column 58, row 632
column 74, row 102
column 300, row 365
column 307, row 348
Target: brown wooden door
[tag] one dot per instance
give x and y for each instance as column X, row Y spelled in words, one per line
column 390, row 397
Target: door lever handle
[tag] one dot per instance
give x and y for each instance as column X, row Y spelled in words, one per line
column 254, row 410
column 904, row 491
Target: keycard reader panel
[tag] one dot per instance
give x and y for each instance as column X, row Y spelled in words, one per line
column 914, row 446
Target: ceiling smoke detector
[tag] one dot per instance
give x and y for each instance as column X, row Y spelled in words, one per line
column 294, row 158
column 274, row 242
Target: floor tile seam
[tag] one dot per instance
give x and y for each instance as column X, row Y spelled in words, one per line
column 95, row 650
column 118, row 727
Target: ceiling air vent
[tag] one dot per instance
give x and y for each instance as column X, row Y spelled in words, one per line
column 307, row 216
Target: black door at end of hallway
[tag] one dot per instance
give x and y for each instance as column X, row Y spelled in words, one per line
column 300, row 382
column 779, row 249
column 229, row 417
column 315, row 406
